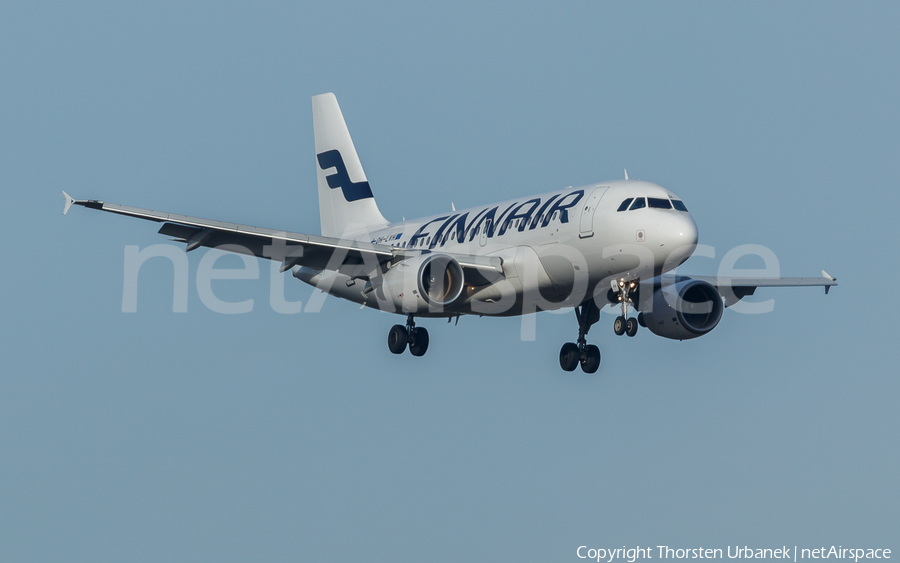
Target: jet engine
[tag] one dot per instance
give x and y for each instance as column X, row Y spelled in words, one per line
column 426, row 283
column 683, row 310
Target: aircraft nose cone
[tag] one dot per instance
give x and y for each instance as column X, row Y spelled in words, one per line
column 688, row 231
column 680, row 235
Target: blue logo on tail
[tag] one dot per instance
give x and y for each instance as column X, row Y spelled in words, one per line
column 341, row 179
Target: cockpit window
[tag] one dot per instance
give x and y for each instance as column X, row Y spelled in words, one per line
column 625, row 204
column 679, row 205
column 659, row 203
column 638, row 203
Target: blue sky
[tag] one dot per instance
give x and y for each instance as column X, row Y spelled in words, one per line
column 158, row 435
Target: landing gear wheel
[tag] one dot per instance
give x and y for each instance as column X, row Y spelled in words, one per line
column 619, row 325
column 419, row 342
column 571, row 354
column 397, row 339
column 590, row 361
column 568, row 356
column 631, row 326
column 641, row 320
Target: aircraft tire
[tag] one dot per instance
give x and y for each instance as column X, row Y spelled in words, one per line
column 631, row 326
column 397, row 339
column 568, row 356
column 419, row 344
column 619, row 325
column 591, row 360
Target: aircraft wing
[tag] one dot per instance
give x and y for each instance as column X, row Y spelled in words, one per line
column 351, row 257
column 733, row 289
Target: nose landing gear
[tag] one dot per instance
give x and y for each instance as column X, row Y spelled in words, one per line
column 588, row 355
column 623, row 324
column 416, row 338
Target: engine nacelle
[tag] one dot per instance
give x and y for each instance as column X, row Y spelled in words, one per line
column 682, row 310
column 423, row 284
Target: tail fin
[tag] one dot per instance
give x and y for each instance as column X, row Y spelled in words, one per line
column 346, row 203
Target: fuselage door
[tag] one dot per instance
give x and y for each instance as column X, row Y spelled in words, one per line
column 587, row 212
column 482, row 240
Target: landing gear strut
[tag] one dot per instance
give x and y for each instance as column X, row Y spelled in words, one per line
column 400, row 336
column 623, row 290
column 581, row 352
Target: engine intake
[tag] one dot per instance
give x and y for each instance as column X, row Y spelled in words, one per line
column 425, row 283
column 683, row 310
column 440, row 279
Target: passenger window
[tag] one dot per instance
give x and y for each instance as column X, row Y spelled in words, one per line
column 679, row 205
column 638, row 203
column 625, row 204
column 659, row 203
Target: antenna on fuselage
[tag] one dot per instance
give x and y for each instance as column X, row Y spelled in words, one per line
column 452, row 207
column 626, row 173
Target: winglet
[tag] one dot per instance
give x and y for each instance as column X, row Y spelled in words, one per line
column 69, row 201
column 827, row 276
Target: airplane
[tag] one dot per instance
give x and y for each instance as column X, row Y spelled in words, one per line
column 610, row 243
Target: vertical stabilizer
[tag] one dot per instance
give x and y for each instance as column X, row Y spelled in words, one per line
column 346, row 203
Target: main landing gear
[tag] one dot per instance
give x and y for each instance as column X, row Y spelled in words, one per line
column 581, row 352
column 623, row 290
column 416, row 338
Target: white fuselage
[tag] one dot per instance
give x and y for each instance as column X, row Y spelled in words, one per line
column 556, row 247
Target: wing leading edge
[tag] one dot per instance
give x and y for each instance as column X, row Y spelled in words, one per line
column 733, row 289
column 352, row 257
